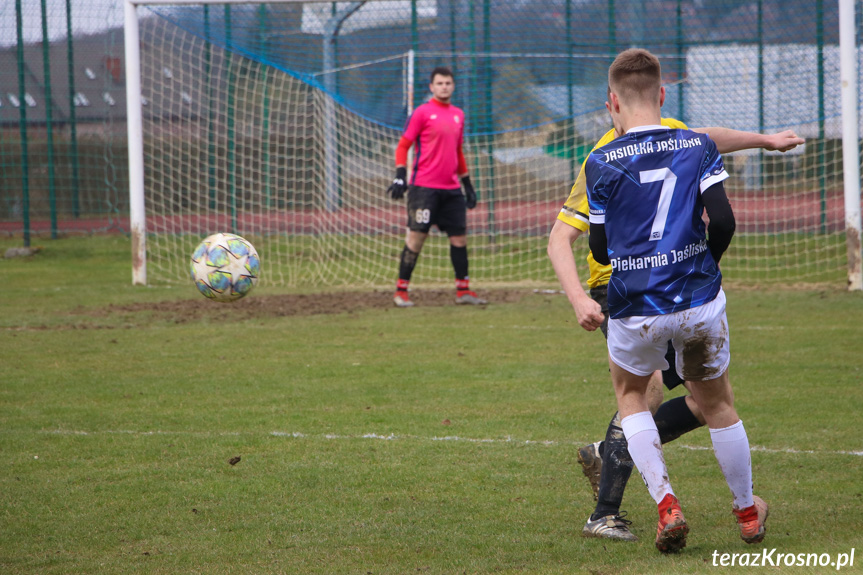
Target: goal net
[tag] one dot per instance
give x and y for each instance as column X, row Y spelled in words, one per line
column 279, row 122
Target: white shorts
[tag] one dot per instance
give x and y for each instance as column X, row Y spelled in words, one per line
column 700, row 337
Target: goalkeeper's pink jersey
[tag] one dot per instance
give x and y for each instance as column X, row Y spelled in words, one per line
column 437, row 131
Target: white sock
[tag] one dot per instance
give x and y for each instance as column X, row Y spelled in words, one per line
column 646, row 452
column 731, row 447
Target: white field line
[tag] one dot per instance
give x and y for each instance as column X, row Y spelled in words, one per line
column 453, row 438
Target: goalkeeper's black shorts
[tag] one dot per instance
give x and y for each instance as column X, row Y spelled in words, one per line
column 429, row 207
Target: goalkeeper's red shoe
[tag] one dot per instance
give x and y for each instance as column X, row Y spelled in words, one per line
column 401, row 299
column 467, row 297
column 751, row 521
column 672, row 528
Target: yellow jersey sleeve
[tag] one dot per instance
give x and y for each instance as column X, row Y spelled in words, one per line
column 575, row 209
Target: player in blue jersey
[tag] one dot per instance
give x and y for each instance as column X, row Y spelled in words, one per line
column 606, row 463
column 647, row 191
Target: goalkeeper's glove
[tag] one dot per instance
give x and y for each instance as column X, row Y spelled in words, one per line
column 469, row 193
column 398, row 187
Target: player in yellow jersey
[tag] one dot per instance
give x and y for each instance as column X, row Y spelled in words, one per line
column 607, row 463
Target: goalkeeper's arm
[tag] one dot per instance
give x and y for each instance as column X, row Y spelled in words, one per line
column 402, row 152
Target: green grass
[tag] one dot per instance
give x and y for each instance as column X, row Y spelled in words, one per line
column 429, row 440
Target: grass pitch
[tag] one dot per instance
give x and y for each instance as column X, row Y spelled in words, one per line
column 438, row 439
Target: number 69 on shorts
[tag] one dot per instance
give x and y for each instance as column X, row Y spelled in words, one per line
column 423, row 216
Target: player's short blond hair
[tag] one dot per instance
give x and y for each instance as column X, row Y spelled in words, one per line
column 635, row 76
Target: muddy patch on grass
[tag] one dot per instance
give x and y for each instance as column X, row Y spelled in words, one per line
column 259, row 307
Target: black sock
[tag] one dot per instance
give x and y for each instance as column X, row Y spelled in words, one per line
column 674, row 418
column 459, row 261
column 407, row 263
column 616, row 468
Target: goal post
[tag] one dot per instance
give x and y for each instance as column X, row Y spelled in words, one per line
column 851, row 142
column 134, row 126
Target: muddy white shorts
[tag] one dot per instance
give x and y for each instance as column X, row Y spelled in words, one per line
column 700, row 337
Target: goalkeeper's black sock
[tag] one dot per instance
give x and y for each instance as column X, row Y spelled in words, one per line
column 459, row 261
column 674, row 418
column 407, row 263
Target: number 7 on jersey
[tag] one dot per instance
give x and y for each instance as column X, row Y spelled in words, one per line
column 669, row 180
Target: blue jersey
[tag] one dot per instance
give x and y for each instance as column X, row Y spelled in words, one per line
column 645, row 187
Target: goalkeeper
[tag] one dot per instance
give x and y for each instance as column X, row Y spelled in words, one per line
column 434, row 192
column 607, row 463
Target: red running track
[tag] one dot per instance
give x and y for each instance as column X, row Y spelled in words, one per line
column 803, row 212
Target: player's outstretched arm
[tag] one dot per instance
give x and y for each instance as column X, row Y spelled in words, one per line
column 728, row 140
column 783, row 141
column 560, row 240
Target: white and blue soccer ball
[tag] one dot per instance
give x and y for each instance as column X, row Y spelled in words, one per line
column 225, row 267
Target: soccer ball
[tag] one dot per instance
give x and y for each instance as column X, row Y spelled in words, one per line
column 225, row 267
